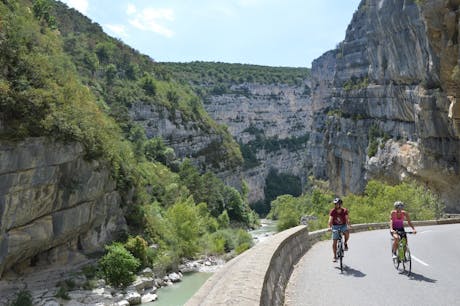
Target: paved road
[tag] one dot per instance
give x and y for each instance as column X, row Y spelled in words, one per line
column 370, row 278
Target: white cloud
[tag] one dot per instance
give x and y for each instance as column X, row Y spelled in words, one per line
column 248, row 3
column 117, row 29
column 131, row 9
column 150, row 19
column 79, row 5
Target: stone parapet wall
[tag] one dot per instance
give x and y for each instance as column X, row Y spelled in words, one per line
column 260, row 275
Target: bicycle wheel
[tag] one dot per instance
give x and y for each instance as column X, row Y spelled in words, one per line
column 407, row 263
column 396, row 263
column 340, row 255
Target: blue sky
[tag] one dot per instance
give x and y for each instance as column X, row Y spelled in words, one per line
column 262, row 32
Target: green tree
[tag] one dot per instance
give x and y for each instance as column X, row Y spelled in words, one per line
column 105, row 51
column 185, row 228
column 139, row 248
column 119, row 265
column 138, row 138
column 149, row 85
column 224, row 220
column 42, row 10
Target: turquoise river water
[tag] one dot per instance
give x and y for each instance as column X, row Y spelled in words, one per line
column 179, row 293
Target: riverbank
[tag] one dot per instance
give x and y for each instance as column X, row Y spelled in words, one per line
column 67, row 286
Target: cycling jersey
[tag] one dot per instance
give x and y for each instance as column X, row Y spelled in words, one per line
column 397, row 220
column 338, row 218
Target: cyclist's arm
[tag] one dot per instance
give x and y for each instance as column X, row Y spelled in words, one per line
column 391, row 225
column 347, row 220
column 409, row 222
column 329, row 223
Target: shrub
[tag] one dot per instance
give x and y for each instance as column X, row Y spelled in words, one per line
column 138, row 247
column 119, row 265
column 183, row 228
column 242, row 247
column 63, row 293
column 23, row 298
column 243, row 241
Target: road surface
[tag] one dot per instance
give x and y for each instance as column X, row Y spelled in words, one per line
column 369, row 277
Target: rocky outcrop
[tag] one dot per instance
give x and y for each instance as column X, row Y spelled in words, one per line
column 384, row 96
column 262, row 114
column 188, row 137
column 54, row 204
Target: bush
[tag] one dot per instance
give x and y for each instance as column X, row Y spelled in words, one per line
column 243, row 241
column 373, row 206
column 119, row 265
column 63, row 293
column 23, row 298
column 242, row 247
column 138, row 247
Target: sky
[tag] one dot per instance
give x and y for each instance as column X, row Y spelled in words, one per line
column 289, row 33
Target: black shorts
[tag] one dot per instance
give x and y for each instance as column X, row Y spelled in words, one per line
column 400, row 231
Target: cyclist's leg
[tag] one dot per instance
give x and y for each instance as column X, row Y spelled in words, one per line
column 334, row 249
column 335, row 237
column 395, row 242
column 346, row 234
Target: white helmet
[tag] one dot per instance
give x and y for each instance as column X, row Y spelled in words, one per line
column 399, row 204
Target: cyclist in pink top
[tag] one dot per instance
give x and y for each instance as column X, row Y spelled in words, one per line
column 397, row 218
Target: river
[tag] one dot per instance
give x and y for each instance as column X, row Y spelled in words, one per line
column 179, row 293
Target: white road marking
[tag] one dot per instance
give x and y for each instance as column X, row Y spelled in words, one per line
column 427, row 231
column 420, row 261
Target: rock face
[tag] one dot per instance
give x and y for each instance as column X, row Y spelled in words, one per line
column 274, row 113
column 385, row 99
column 53, row 204
column 206, row 147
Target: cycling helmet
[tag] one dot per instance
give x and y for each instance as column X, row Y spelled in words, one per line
column 337, row 201
column 398, row 204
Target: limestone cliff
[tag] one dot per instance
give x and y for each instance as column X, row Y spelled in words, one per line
column 275, row 113
column 385, row 99
column 53, row 203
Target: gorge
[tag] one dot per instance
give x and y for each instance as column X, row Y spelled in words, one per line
column 382, row 105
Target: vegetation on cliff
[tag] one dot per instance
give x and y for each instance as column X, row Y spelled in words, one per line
column 218, row 77
column 63, row 78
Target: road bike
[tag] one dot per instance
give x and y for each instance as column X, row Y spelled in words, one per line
column 340, row 253
column 403, row 260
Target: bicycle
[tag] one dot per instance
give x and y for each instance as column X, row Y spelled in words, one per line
column 340, row 253
column 403, row 257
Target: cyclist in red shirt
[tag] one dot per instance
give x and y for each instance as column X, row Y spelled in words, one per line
column 339, row 220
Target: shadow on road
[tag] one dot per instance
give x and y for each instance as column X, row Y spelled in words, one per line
column 421, row 278
column 348, row 271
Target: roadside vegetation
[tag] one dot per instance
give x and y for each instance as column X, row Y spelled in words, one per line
column 373, row 206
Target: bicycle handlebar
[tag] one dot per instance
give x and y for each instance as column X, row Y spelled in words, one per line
column 409, row 232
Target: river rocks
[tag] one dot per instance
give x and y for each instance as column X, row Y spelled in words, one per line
column 149, row 297
column 133, row 298
column 175, row 277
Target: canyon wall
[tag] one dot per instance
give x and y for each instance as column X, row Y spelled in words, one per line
column 274, row 120
column 385, row 99
column 54, row 205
